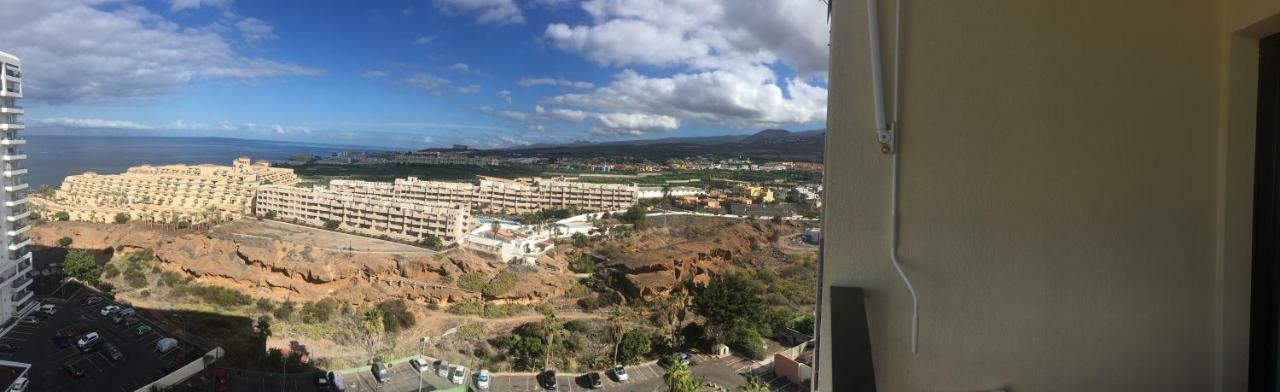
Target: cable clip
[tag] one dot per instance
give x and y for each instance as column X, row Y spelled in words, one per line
column 888, row 141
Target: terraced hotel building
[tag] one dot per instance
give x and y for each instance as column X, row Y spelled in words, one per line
column 396, row 218
column 168, row 193
column 500, row 195
column 15, row 266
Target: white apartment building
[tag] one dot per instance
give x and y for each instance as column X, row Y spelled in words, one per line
column 15, row 265
column 656, row 192
column 512, row 243
column 500, row 195
column 366, row 214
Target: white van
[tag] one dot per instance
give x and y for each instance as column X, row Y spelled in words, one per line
column 167, row 344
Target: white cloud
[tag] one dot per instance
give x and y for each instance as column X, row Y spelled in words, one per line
column 428, row 82
column 505, row 95
column 286, row 129
column 536, row 127
column 424, row 39
column 81, row 54
column 559, row 114
column 254, row 30
column 179, row 5
column 461, row 68
column 94, row 123
column 497, row 12
column 699, row 34
column 633, row 124
column 748, row 97
column 507, row 114
column 468, row 89
column 375, row 73
column 562, row 82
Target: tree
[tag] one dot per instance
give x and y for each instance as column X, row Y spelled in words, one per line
column 635, row 344
column 678, row 376
column 617, row 327
column 431, row 241
column 62, row 216
column 526, row 351
column 122, row 218
column 635, row 216
column 395, row 316
column 752, row 384
column 270, row 215
column 671, row 311
column 64, row 242
column 579, row 240
column 729, row 301
column 374, row 329
column 79, row 264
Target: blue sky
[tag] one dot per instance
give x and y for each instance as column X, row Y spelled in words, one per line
column 488, row 73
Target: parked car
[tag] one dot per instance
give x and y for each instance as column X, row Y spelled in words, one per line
column 418, row 364
column 49, row 308
column 72, row 370
column 592, row 380
column 131, row 321
column 142, row 330
column 30, row 321
column 220, row 383
column 459, row 373
column 20, row 385
column 112, row 351
column 108, row 310
column 91, row 300
column 620, row 372
column 40, row 314
column 442, row 368
column 684, row 359
column 380, row 373
column 482, row 381
column 547, row 380
column 121, row 314
column 167, row 344
column 87, row 339
column 335, row 379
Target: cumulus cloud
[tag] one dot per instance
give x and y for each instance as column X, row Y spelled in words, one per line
column 375, row 73
column 424, row 39
column 179, row 5
column 507, row 114
column 633, row 124
column 90, row 55
column 748, row 97
column 496, row 12
column 460, row 67
column 94, row 123
column 286, row 129
column 254, row 30
column 468, row 89
column 559, row 114
column 432, row 84
column 699, row 34
column 505, row 95
column 562, row 82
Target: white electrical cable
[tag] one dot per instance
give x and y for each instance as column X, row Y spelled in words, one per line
column 892, row 127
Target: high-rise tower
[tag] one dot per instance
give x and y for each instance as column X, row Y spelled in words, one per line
column 15, row 266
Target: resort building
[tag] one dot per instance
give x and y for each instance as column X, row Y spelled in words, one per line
column 15, row 265
column 657, row 192
column 401, row 219
column 512, row 243
column 500, row 195
column 169, row 193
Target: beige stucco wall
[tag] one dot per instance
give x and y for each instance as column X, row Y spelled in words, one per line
column 1076, row 185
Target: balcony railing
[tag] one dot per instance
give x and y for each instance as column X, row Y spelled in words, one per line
column 12, row 142
column 19, row 242
column 15, row 188
column 13, row 72
column 18, row 283
column 21, row 296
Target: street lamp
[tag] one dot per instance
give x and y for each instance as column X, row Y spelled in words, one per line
column 422, row 348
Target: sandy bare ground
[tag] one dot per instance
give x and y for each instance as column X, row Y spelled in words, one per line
column 309, row 236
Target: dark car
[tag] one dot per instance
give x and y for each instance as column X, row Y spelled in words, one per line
column 112, row 351
column 72, row 370
column 40, row 314
column 380, row 373
column 91, row 300
column 547, row 380
column 592, row 380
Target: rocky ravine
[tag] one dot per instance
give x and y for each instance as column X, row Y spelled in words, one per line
column 280, row 261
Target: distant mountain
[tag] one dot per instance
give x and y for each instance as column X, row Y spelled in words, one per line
column 777, row 144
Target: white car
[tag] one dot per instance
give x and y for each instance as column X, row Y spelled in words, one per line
column 166, row 344
column 418, row 364
column 482, row 381
column 442, row 368
column 620, row 372
column 459, row 373
column 49, row 308
column 108, row 310
column 19, row 385
column 87, row 339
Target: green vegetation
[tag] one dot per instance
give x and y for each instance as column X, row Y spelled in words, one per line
column 135, row 278
column 636, row 216
column 501, row 284
column 610, row 250
column 121, row 218
column 583, row 264
column 395, row 316
column 548, row 215
column 473, row 282
column 62, row 216
column 79, row 264
column 284, row 311
column 431, row 241
column 735, row 312
column 503, row 310
column 318, row 311
column 635, row 345
column 580, row 240
column 216, row 295
column 331, row 224
column 64, row 242
column 752, row 384
column 270, row 215
column 679, row 378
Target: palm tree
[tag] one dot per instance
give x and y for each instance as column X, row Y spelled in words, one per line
column 752, row 384
column 679, row 378
column 618, row 328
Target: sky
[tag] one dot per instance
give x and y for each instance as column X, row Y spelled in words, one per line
column 419, row 73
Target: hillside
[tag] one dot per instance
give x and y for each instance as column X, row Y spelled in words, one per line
column 769, row 144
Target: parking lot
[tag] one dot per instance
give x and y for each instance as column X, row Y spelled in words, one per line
column 646, row 377
column 141, row 363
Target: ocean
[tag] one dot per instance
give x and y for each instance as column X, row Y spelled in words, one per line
column 52, row 158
